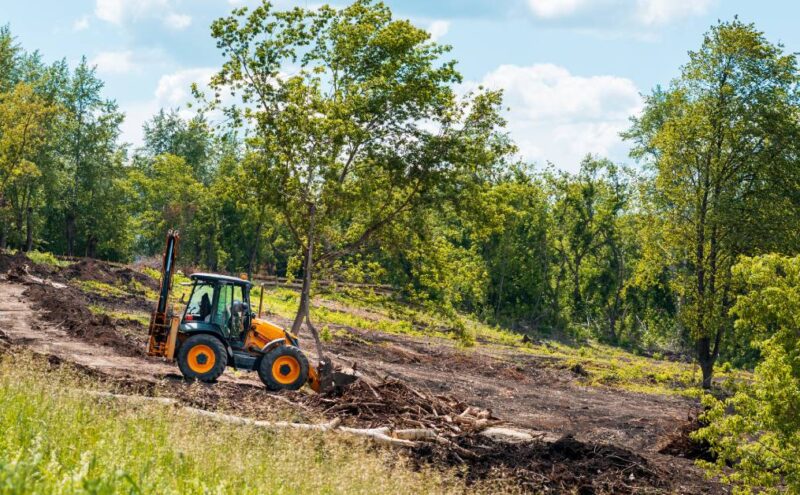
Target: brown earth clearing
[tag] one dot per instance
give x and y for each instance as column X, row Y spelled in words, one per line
column 589, row 439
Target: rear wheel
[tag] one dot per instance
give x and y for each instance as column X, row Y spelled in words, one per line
column 202, row 357
column 284, row 368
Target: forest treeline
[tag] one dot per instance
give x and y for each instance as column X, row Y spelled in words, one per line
column 366, row 165
column 637, row 256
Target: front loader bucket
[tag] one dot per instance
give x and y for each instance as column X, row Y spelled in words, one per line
column 325, row 379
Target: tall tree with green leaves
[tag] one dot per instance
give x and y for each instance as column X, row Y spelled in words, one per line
column 89, row 147
column 718, row 141
column 10, row 51
column 192, row 139
column 169, row 196
column 355, row 120
column 23, row 129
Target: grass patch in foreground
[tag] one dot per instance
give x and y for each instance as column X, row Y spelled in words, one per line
column 58, row 440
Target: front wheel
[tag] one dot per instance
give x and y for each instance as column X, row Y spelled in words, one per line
column 202, row 357
column 284, row 368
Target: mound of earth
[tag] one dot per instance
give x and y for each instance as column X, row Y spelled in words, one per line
column 99, row 271
column 67, row 308
column 18, row 265
column 565, row 466
column 680, row 443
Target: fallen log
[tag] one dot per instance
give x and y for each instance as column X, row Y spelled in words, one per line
column 383, row 436
column 408, row 438
column 514, row 435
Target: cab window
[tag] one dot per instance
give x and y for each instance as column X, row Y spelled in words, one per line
column 236, row 323
column 222, row 312
column 199, row 307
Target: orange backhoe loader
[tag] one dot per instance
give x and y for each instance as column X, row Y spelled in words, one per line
column 217, row 328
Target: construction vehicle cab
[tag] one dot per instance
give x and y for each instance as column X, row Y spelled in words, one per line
column 217, row 328
column 219, row 305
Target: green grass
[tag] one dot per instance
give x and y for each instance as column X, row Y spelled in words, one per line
column 101, row 288
column 152, row 273
column 138, row 316
column 608, row 366
column 132, row 288
column 45, row 258
column 59, row 440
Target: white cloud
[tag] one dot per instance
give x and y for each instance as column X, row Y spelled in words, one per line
column 136, row 114
column 119, row 12
column 438, row 29
column 174, row 90
column 639, row 12
column 129, row 61
column 652, row 12
column 114, row 62
column 178, row 21
column 550, row 9
column 560, row 117
column 81, row 23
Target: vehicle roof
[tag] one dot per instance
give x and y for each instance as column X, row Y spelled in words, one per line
column 216, row 277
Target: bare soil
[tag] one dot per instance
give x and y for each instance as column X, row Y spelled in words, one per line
column 611, row 441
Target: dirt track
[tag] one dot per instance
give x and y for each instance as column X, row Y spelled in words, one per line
column 521, row 389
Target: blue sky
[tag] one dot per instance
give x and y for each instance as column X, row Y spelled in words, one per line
column 572, row 70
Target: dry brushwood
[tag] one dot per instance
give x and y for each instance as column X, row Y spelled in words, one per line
column 384, row 435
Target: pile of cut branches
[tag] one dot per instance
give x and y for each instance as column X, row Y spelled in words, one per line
column 398, row 405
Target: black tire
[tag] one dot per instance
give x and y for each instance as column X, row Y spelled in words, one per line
column 202, row 357
column 284, row 368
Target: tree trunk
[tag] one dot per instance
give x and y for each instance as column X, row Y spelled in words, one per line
column 251, row 261
column 29, row 226
column 304, row 309
column 91, row 246
column 706, row 358
column 612, row 326
column 18, row 228
column 211, row 253
column 70, row 233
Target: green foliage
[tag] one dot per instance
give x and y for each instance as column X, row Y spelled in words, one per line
column 590, row 245
column 757, row 431
column 169, row 197
column 718, row 141
column 24, row 115
column 45, row 258
column 343, row 146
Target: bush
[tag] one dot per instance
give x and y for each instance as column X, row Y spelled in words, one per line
column 757, row 430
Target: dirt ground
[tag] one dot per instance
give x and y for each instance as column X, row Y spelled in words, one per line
column 611, row 441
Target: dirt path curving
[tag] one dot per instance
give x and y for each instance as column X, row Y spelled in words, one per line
column 24, row 326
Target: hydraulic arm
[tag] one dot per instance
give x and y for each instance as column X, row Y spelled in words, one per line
column 163, row 325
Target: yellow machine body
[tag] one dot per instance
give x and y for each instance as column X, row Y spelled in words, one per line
column 263, row 332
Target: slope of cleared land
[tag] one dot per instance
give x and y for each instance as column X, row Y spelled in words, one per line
column 604, row 415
